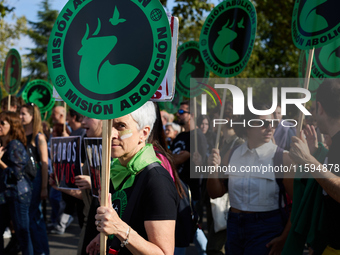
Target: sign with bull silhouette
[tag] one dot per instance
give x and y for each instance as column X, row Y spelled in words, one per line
column 107, row 58
column 11, row 73
column 189, row 67
column 326, row 64
column 40, row 93
column 227, row 37
column 315, row 23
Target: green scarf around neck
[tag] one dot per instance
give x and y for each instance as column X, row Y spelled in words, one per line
column 140, row 160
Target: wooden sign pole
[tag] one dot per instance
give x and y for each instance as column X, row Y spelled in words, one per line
column 195, row 120
column 9, row 103
column 64, row 128
column 217, row 143
column 306, row 85
column 105, row 178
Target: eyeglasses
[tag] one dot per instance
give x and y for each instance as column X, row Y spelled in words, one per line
column 180, row 112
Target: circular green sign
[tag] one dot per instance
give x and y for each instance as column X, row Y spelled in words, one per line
column 107, row 58
column 190, row 65
column 327, row 60
column 227, row 37
column 40, row 93
column 173, row 106
column 11, row 74
column 315, row 23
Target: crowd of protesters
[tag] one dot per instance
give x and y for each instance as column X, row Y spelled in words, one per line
column 153, row 152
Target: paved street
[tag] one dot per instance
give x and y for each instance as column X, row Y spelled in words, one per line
column 67, row 243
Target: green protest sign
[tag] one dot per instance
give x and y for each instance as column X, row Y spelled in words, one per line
column 11, row 74
column 190, row 65
column 173, row 106
column 227, row 37
column 40, row 93
column 327, row 60
column 107, row 58
column 315, row 23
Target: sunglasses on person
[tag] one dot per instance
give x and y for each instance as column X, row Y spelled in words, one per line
column 180, row 112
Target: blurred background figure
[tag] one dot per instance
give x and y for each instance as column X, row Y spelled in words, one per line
column 165, row 118
column 74, row 120
column 283, row 134
column 16, row 103
column 171, row 131
column 15, row 185
column 37, row 148
column 204, row 123
column 89, row 231
column 59, row 118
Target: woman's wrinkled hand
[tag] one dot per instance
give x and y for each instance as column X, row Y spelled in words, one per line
column 108, row 221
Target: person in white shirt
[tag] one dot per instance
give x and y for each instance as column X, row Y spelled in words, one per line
column 256, row 221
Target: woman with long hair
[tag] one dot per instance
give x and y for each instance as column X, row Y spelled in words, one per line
column 15, row 186
column 37, row 147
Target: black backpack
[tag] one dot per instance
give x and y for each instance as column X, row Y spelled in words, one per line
column 31, row 167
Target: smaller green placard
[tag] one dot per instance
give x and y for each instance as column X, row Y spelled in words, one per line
column 227, row 37
column 326, row 61
column 40, row 93
column 107, row 58
column 11, row 74
column 315, row 23
column 190, row 66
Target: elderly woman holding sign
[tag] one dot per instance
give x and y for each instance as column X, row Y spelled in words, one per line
column 143, row 195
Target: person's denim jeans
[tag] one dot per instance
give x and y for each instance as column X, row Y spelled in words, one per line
column 249, row 233
column 55, row 201
column 37, row 223
column 17, row 211
column 200, row 240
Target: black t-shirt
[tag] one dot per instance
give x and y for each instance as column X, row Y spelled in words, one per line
column 332, row 207
column 158, row 201
column 182, row 143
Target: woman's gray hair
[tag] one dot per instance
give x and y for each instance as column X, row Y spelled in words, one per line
column 174, row 126
column 145, row 115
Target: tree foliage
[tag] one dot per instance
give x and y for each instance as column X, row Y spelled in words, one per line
column 5, row 9
column 274, row 54
column 9, row 33
column 40, row 32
